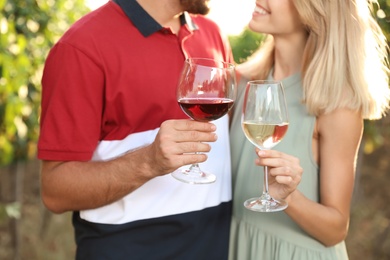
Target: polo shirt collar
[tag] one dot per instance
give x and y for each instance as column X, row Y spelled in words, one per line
column 144, row 22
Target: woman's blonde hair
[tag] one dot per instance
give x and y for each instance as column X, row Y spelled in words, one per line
column 345, row 61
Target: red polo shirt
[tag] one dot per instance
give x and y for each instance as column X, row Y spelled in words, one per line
column 105, row 79
column 108, row 84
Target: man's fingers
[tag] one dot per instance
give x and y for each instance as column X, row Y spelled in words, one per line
column 187, row 131
column 187, row 125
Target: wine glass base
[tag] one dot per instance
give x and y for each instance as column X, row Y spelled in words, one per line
column 264, row 205
column 194, row 177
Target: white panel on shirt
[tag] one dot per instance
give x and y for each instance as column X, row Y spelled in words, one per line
column 164, row 195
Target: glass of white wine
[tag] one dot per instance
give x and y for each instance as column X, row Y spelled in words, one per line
column 265, row 122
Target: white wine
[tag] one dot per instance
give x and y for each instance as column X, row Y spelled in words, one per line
column 264, row 135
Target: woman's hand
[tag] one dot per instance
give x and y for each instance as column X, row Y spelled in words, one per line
column 285, row 172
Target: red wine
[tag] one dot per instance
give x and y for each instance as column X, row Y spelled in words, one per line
column 206, row 109
column 264, row 135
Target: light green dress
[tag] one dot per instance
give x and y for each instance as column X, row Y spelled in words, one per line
column 274, row 236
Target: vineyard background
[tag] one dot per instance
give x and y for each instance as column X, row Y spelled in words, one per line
column 28, row 29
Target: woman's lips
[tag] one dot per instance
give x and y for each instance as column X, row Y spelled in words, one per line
column 260, row 10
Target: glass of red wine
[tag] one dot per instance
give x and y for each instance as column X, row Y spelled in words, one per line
column 206, row 91
column 264, row 122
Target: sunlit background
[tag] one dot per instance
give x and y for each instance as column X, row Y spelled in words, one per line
column 231, row 15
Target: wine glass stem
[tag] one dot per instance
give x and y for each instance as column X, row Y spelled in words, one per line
column 265, row 186
column 195, row 168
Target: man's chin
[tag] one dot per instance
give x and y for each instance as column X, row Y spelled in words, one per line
column 196, row 6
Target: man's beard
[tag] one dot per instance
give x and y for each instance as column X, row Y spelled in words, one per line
column 195, row 6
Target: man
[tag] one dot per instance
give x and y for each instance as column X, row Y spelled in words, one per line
column 112, row 131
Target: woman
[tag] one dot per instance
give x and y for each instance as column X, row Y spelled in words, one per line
column 331, row 57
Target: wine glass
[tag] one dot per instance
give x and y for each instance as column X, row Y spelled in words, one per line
column 264, row 122
column 206, row 91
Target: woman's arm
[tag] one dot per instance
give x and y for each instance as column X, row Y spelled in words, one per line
column 340, row 134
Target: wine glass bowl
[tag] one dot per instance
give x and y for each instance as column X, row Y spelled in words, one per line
column 204, row 109
column 206, row 91
column 264, row 123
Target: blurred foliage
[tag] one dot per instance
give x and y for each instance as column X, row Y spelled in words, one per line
column 373, row 138
column 247, row 42
column 11, row 210
column 382, row 13
column 28, row 29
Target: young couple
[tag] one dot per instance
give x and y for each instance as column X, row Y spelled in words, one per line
column 111, row 130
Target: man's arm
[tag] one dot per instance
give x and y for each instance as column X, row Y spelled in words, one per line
column 76, row 185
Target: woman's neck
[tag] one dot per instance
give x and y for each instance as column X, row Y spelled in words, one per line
column 288, row 55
